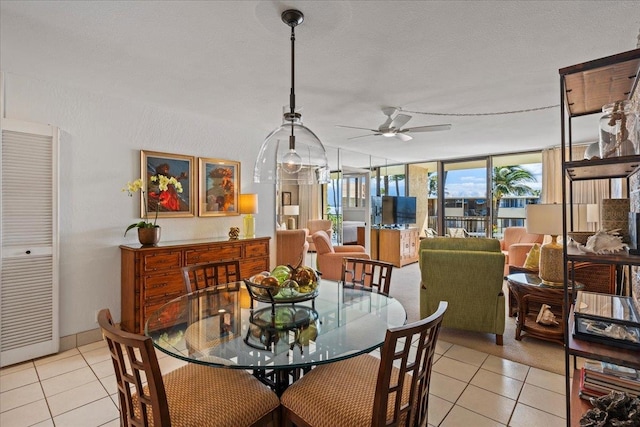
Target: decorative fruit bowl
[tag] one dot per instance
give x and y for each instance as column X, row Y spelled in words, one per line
column 284, row 284
column 270, row 330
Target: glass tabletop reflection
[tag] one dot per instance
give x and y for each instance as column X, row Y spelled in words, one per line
column 218, row 327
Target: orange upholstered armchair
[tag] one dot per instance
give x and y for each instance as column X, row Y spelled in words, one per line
column 516, row 244
column 329, row 257
column 291, row 247
column 314, row 225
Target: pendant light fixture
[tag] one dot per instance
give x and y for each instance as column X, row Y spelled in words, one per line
column 292, row 153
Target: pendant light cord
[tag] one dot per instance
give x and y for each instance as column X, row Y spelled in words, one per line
column 292, row 96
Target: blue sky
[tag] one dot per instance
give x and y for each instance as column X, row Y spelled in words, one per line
column 471, row 182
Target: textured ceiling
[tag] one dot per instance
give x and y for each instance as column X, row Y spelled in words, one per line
column 230, row 60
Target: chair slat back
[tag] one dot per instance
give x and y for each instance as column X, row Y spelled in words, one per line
column 413, row 366
column 367, row 274
column 134, row 361
column 203, row 276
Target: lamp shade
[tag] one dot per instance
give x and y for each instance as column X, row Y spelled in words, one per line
column 593, row 212
column 291, row 210
column 544, row 219
column 248, row 203
column 271, row 163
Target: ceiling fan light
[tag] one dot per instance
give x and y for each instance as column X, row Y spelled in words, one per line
column 388, row 134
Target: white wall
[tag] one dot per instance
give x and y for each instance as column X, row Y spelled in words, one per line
column 101, row 139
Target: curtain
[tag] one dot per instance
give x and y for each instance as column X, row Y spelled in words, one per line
column 584, row 192
column 309, row 202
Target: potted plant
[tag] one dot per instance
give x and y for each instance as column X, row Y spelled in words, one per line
column 149, row 232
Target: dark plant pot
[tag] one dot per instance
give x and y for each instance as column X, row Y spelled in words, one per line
column 149, row 236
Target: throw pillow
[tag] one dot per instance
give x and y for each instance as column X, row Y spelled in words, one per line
column 533, row 258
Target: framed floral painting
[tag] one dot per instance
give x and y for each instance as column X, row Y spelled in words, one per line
column 167, row 180
column 219, row 183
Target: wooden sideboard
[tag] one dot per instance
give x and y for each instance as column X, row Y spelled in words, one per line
column 396, row 246
column 151, row 276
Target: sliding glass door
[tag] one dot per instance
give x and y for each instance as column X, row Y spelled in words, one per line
column 465, row 199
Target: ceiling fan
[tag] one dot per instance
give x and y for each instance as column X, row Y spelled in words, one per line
column 392, row 127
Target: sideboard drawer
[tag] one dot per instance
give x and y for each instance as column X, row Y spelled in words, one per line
column 149, row 308
column 253, row 266
column 163, row 285
column 161, row 260
column 257, row 249
column 219, row 253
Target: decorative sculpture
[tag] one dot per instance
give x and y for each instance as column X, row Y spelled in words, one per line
column 234, row 232
column 546, row 316
column 604, row 242
column 613, row 409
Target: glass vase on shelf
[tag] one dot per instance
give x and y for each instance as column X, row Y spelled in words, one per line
column 619, row 130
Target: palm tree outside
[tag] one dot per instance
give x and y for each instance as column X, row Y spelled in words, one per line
column 509, row 181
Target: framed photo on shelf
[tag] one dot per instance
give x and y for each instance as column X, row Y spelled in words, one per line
column 169, row 203
column 286, row 198
column 219, row 185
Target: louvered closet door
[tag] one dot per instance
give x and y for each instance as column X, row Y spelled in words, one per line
column 29, row 250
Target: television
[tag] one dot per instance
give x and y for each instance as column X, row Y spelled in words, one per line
column 398, row 210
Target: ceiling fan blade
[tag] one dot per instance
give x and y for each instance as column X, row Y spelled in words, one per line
column 399, row 121
column 403, row 137
column 362, row 136
column 386, row 124
column 354, row 127
column 431, row 128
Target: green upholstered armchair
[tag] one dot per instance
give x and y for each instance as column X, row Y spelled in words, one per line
column 467, row 273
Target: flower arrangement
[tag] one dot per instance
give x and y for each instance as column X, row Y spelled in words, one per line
column 163, row 184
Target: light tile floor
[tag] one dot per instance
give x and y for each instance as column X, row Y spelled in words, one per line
column 77, row 388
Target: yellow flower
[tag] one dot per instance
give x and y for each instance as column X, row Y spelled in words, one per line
column 133, row 187
column 163, row 185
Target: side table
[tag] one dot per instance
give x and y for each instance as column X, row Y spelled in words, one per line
column 530, row 293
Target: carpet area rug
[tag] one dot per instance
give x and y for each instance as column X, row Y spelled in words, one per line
column 405, row 287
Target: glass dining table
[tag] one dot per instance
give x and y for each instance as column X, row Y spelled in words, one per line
column 224, row 327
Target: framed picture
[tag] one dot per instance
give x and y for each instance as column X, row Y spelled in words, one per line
column 219, row 183
column 167, row 203
column 286, row 198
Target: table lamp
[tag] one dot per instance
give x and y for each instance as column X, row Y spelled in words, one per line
column 291, row 211
column 547, row 219
column 593, row 215
column 248, row 204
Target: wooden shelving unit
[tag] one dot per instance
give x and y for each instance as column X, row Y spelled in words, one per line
column 585, row 88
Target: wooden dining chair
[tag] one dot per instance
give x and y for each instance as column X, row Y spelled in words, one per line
column 366, row 274
column 193, row 395
column 368, row 391
column 202, row 276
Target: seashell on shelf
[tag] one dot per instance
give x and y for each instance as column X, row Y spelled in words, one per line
column 546, row 316
column 604, row 242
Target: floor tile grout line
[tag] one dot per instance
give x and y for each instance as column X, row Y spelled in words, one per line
column 467, row 383
column 46, row 398
column 542, row 410
column 46, row 401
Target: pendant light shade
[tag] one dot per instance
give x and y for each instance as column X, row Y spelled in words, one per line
column 292, row 153
column 277, row 163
